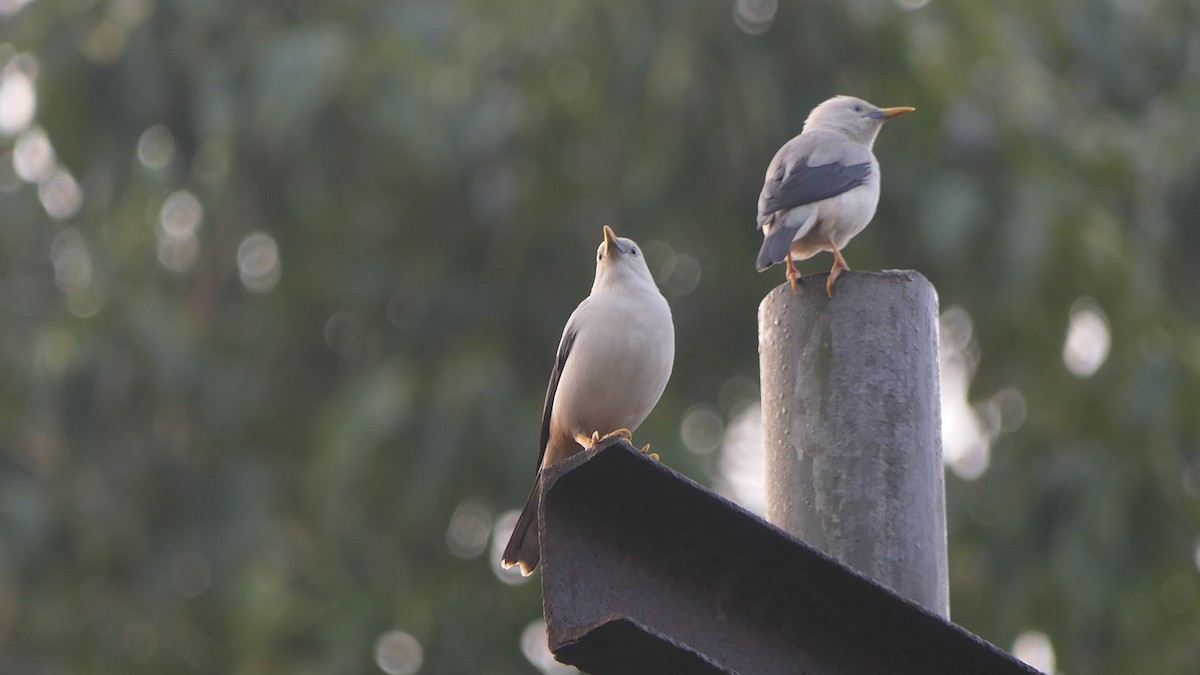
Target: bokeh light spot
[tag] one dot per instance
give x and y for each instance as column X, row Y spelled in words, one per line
column 72, row 261
column 181, row 215
column 680, row 274
column 156, row 147
column 742, row 473
column 18, row 99
column 33, row 156
column 470, row 527
column 966, row 438
column 754, row 16
column 258, row 262
column 11, row 7
column 60, row 194
column 701, row 429
column 1009, row 409
column 1088, row 338
column 398, row 653
column 1034, row 647
column 178, row 220
column 736, row 394
column 534, row 647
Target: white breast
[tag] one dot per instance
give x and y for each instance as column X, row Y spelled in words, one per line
column 619, row 364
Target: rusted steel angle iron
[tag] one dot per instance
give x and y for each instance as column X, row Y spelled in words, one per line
column 645, row 571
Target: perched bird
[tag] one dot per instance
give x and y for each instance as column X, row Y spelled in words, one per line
column 613, row 363
column 822, row 186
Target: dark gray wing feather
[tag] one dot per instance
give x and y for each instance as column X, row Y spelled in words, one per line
column 522, row 545
column 800, row 184
column 560, row 361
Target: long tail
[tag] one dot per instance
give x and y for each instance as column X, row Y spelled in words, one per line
column 522, row 548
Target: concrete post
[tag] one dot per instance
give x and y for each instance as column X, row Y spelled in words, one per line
column 852, row 426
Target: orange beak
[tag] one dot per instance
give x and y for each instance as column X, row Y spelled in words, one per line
column 889, row 113
column 610, row 240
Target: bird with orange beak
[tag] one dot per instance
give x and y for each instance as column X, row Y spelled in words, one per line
column 822, row 186
column 613, row 363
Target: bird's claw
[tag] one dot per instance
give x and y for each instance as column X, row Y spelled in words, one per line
column 591, row 441
column 651, row 455
column 623, row 434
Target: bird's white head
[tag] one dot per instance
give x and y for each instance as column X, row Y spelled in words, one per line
column 620, row 261
column 852, row 117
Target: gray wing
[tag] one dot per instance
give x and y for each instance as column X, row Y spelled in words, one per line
column 522, row 545
column 809, row 168
column 560, row 361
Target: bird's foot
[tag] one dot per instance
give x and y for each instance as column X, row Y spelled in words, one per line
column 793, row 276
column 833, row 275
column 839, row 264
column 651, row 455
column 623, row 434
column 591, row 441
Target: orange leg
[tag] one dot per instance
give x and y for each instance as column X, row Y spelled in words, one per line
column 792, row 275
column 839, row 264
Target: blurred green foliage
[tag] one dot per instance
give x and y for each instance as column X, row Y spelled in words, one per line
column 233, row 440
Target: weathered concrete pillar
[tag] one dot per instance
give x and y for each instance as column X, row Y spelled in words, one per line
column 852, row 426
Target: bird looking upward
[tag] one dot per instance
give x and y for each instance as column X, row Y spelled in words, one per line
column 822, row 186
column 613, row 363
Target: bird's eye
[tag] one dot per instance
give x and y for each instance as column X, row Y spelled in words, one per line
column 599, row 256
column 633, row 251
column 858, row 108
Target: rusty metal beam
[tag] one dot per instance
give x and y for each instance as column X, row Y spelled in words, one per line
column 646, row 571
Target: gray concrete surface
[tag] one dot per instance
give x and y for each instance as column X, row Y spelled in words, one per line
column 852, row 426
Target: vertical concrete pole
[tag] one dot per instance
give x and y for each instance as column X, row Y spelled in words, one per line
column 852, row 426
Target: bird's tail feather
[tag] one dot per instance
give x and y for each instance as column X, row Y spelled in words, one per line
column 775, row 246
column 522, row 548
